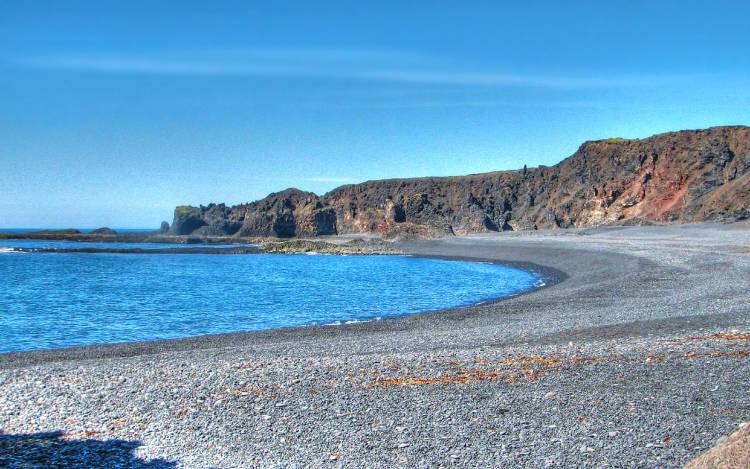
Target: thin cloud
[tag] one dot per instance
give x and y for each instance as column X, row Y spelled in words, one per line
column 288, row 180
column 488, row 103
column 326, row 179
column 336, row 64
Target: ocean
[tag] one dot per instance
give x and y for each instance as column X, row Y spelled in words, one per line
column 52, row 300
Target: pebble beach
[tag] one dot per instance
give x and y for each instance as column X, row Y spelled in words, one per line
column 634, row 353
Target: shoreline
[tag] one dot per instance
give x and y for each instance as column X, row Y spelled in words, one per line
column 638, row 357
column 208, row 245
column 16, row 359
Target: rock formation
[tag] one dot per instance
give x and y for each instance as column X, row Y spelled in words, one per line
column 673, row 177
column 104, row 231
column 729, row 453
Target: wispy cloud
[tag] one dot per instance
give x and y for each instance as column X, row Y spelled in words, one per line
column 326, row 179
column 333, row 64
column 476, row 103
column 294, row 180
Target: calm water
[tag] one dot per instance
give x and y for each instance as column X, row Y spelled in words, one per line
column 82, row 230
column 10, row 244
column 58, row 300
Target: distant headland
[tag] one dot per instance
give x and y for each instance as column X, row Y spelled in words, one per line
column 685, row 176
column 675, row 177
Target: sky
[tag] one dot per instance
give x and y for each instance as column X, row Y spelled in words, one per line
column 112, row 112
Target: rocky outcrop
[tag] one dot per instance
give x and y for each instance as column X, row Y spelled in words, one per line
column 674, row 177
column 732, row 452
column 284, row 214
column 104, row 231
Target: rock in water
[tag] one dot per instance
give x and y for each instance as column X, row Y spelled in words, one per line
column 104, row 231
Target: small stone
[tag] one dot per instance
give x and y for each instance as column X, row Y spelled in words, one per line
column 403, row 445
column 550, row 395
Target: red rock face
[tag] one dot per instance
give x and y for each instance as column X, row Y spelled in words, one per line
column 681, row 176
column 678, row 176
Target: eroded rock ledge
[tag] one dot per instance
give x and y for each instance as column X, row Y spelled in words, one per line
column 701, row 175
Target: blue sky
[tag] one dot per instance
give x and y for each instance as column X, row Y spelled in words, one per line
column 115, row 112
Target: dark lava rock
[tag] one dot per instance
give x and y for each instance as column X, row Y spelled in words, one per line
column 187, row 219
column 692, row 175
column 104, row 231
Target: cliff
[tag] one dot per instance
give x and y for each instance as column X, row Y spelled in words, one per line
column 701, row 175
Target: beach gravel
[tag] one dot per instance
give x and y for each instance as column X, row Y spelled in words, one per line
column 635, row 354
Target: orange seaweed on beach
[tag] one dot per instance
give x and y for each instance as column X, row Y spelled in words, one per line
column 543, row 365
column 723, row 336
column 257, row 392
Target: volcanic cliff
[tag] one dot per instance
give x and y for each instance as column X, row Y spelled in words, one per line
column 685, row 176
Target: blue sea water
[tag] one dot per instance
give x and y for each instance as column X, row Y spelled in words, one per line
column 82, row 230
column 9, row 244
column 59, row 300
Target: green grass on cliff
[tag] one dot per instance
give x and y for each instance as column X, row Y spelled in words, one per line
column 183, row 210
